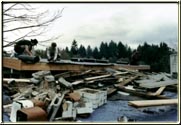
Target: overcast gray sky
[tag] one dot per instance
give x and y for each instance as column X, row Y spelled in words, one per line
column 131, row 23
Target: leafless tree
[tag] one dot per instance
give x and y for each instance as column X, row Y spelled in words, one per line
column 23, row 21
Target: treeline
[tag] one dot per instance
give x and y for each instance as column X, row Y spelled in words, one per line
column 157, row 56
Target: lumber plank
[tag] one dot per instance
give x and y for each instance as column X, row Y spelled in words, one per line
column 111, row 91
column 145, row 81
column 97, row 77
column 133, row 67
column 101, row 80
column 17, row 64
column 125, row 82
column 145, row 103
column 75, row 96
column 86, row 72
column 64, row 74
column 77, row 82
column 158, row 92
column 141, row 94
column 64, row 82
column 158, row 84
column 63, row 65
column 12, row 63
column 16, row 80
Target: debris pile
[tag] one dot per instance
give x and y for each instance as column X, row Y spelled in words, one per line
column 65, row 96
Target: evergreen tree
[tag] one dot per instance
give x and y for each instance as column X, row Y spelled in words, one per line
column 67, row 50
column 82, row 51
column 74, row 48
column 96, row 53
column 164, row 60
column 129, row 52
column 121, row 50
column 156, row 56
column 113, row 51
column 89, row 52
column 104, row 50
column 65, row 54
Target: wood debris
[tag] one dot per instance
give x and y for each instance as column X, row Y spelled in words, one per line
column 66, row 95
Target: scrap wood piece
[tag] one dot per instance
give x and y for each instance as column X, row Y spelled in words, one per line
column 124, row 82
column 64, row 106
column 158, row 84
column 110, row 70
column 146, row 81
column 16, row 95
column 97, row 77
column 111, row 91
column 116, row 72
column 64, row 82
column 7, row 106
column 158, row 92
column 123, row 93
column 77, row 82
column 119, row 73
column 86, row 72
column 158, row 77
column 75, row 96
column 132, row 71
column 139, row 93
column 64, row 75
column 24, row 93
column 145, row 103
column 79, row 73
column 101, row 80
column 16, row 80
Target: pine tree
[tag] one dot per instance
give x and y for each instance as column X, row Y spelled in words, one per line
column 74, row 48
column 89, row 52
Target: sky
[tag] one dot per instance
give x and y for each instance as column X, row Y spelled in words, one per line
column 130, row 23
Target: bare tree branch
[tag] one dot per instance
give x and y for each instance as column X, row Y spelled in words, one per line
column 22, row 37
column 10, row 8
column 25, row 27
column 51, row 39
column 25, row 18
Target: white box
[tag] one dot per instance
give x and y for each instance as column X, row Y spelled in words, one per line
column 86, row 109
column 97, row 97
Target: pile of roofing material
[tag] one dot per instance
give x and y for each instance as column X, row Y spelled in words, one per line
column 70, row 94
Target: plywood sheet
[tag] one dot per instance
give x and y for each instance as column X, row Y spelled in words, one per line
column 158, row 84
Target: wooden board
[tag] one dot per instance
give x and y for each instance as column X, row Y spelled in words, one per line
column 97, row 77
column 145, row 81
column 125, row 82
column 158, row 84
column 141, row 94
column 75, row 96
column 17, row 64
column 16, row 80
column 133, row 67
column 77, row 82
column 111, row 91
column 145, row 103
column 12, row 63
column 63, row 65
column 158, row 92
